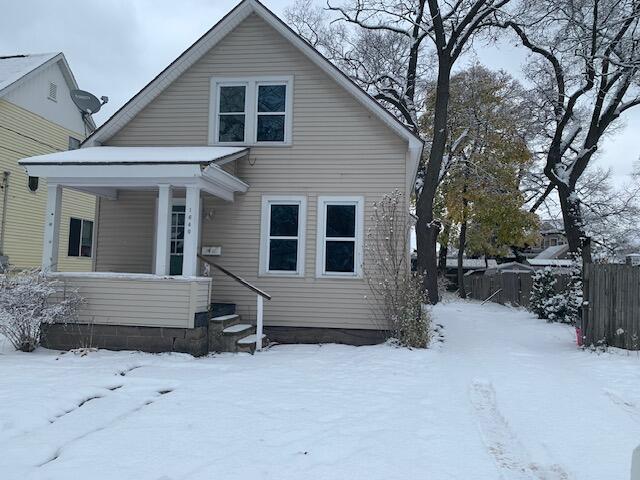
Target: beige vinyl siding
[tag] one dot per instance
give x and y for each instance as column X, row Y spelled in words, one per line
column 339, row 148
column 139, row 301
column 25, row 209
column 126, row 232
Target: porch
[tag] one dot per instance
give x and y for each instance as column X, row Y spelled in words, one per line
column 164, row 283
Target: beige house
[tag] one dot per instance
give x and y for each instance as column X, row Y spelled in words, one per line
column 37, row 117
column 242, row 176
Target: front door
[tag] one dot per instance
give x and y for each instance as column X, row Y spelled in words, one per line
column 177, row 238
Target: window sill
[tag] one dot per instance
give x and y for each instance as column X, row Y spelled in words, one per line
column 280, row 275
column 252, row 144
column 337, row 276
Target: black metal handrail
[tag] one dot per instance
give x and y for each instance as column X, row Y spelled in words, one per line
column 238, row 279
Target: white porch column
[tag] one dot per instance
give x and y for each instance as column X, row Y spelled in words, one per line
column 163, row 230
column 191, row 231
column 52, row 228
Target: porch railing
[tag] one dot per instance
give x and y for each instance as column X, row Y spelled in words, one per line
column 260, row 296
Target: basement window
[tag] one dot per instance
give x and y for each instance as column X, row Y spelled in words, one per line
column 80, row 238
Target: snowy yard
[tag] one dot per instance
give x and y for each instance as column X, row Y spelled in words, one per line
column 505, row 397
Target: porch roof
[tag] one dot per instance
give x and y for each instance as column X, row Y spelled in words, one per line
column 102, row 171
column 138, row 156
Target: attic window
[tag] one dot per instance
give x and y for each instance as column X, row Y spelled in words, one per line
column 53, row 92
column 251, row 111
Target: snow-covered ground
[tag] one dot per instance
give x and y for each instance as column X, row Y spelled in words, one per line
column 506, row 396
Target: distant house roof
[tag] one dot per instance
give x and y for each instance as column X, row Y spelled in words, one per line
column 544, row 262
column 512, row 266
column 551, row 225
column 556, row 251
column 472, row 263
column 15, row 69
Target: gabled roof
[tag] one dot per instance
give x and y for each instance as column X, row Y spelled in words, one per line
column 17, row 69
column 210, row 39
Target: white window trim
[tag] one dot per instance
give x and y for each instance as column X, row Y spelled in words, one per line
column 267, row 201
column 251, row 108
column 323, row 201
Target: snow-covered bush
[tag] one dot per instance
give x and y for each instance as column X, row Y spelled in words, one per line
column 542, row 291
column 399, row 297
column 25, row 306
column 553, row 305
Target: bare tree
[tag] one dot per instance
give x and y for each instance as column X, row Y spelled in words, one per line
column 385, row 53
column 610, row 213
column 585, row 65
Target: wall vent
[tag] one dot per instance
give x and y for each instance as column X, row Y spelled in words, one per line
column 53, row 92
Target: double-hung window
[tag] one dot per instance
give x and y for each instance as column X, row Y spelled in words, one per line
column 339, row 242
column 271, row 112
column 251, row 111
column 282, row 235
column 232, row 106
column 80, row 238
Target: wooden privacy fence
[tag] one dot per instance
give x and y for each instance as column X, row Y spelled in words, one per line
column 611, row 310
column 513, row 288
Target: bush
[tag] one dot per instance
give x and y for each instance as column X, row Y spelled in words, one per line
column 25, row 306
column 554, row 306
column 400, row 296
column 542, row 291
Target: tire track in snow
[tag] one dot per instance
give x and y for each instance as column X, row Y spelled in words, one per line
column 140, row 404
column 510, row 455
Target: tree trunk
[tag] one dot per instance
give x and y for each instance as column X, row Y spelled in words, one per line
column 444, row 249
column 427, row 228
column 462, row 292
column 426, row 239
column 573, row 228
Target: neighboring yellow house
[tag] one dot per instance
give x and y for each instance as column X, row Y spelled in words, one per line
column 37, row 117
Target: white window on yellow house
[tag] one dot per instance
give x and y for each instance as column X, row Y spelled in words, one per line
column 80, row 238
column 251, row 111
column 339, row 250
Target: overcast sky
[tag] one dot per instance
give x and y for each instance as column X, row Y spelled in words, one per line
column 115, row 47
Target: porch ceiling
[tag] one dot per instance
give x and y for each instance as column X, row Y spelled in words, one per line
column 103, row 170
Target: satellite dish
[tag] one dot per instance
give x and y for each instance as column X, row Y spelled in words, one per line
column 87, row 102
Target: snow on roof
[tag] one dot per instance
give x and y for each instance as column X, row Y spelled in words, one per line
column 136, row 155
column 471, row 263
column 553, row 252
column 14, row 67
column 513, row 266
column 554, row 262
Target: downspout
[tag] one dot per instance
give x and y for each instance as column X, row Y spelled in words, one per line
column 5, row 197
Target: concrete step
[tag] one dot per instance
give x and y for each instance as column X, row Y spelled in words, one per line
column 248, row 344
column 225, row 339
column 238, row 328
column 223, row 321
